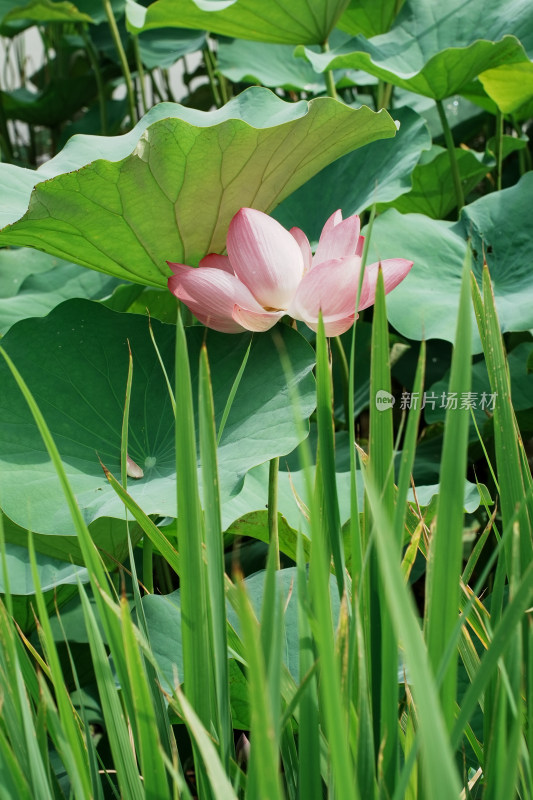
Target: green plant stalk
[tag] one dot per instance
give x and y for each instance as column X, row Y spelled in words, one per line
column 100, row 86
column 5, row 139
column 454, row 166
column 328, row 76
column 309, row 782
column 273, row 528
column 115, row 35
column 326, row 460
column 233, row 392
column 148, row 565
column 499, row 149
column 409, row 448
column 225, row 88
column 140, row 72
column 384, row 94
column 7, row 599
column 345, row 378
column 208, row 60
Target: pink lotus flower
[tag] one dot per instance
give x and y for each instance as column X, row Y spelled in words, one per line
column 270, row 272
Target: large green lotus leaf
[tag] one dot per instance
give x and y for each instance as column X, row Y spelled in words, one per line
column 109, row 535
column 75, row 362
column 435, row 49
column 33, row 283
column 44, row 11
column 369, row 17
column 173, row 197
column 16, row 265
column 162, row 48
column 433, row 190
column 164, row 620
column 291, row 497
column 61, row 98
column 425, row 304
column 297, row 22
column 509, row 85
column 379, row 172
column 272, row 65
column 58, row 581
column 51, row 571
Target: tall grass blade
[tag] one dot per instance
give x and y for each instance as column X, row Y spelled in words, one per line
column 74, row 752
column 383, row 642
column 335, row 716
column 439, row 771
column 150, row 750
column 309, row 781
column 124, row 758
column 197, row 668
column 446, row 548
column 215, row 561
column 326, row 457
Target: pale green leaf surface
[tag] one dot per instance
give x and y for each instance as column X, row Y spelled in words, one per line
column 425, row 494
column 435, row 49
column 52, row 572
column 163, row 615
column 33, row 283
column 173, row 197
column 162, row 48
column 75, row 362
column 498, row 225
column 301, row 21
column 509, row 85
column 268, row 64
column 109, row 535
column 369, row 17
column 433, row 191
column 379, row 172
column 46, row 11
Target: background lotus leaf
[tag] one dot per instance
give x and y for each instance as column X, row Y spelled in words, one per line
column 435, row 49
column 47, row 11
column 433, row 190
column 274, row 65
column 509, row 85
column 498, row 225
column 75, row 362
column 369, row 17
column 33, row 283
column 297, row 22
column 173, row 197
column 380, row 172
